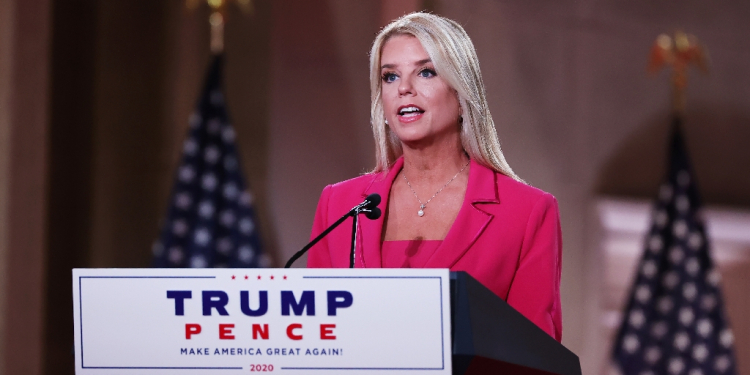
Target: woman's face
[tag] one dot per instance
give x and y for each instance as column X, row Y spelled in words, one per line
column 419, row 105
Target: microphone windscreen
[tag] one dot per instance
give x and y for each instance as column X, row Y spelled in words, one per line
column 374, row 199
column 373, row 214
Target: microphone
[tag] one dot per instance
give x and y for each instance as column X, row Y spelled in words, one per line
column 373, row 213
column 368, row 207
column 372, row 200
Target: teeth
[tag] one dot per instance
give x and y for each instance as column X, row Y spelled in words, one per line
column 408, row 110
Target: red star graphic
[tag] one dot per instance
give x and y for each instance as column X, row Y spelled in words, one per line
column 271, row 277
column 245, row 277
column 258, row 277
column 284, row 277
column 232, row 277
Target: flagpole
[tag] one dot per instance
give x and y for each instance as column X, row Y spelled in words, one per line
column 217, row 31
column 217, row 19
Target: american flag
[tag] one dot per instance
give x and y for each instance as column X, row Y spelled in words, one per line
column 210, row 221
column 675, row 321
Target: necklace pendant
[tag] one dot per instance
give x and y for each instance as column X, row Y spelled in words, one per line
column 421, row 211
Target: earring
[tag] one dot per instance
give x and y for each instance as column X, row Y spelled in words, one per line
column 386, row 122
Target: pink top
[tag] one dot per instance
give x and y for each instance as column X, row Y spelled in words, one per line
column 506, row 235
column 408, row 253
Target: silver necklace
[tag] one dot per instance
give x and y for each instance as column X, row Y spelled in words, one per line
column 422, row 206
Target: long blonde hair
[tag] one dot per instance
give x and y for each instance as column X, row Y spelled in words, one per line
column 455, row 60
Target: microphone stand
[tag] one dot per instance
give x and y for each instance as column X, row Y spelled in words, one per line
column 355, row 218
column 367, row 207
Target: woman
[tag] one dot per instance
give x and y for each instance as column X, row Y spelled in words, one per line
column 450, row 198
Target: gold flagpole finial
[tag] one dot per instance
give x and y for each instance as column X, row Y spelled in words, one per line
column 216, row 20
column 679, row 52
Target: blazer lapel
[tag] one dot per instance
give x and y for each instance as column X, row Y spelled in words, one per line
column 471, row 220
column 371, row 231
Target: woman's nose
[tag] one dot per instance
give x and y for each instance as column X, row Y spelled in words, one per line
column 405, row 87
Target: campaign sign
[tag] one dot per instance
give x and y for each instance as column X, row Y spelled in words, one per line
column 289, row 321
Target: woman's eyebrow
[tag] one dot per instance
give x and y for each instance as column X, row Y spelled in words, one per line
column 422, row 62
column 418, row 63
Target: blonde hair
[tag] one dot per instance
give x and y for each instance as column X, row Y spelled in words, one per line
column 455, row 60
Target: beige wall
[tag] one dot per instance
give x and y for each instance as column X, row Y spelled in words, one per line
column 25, row 64
column 6, row 28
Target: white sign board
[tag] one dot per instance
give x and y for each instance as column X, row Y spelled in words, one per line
column 289, row 321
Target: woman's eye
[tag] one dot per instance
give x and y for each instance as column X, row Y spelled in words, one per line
column 427, row 73
column 389, row 77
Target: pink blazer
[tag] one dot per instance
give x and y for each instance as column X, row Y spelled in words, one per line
column 506, row 235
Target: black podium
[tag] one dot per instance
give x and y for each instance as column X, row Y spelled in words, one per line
column 490, row 337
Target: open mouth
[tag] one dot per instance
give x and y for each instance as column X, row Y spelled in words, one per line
column 410, row 111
